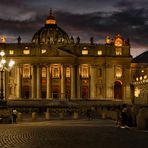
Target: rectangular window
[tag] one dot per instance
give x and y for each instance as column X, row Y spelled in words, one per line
column 26, row 51
column 26, row 71
column 118, row 51
column 118, row 71
column 11, row 52
column 84, row 52
column 43, row 51
column 43, row 72
column 84, row 71
column 67, row 72
column 56, row 72
column 99, row 52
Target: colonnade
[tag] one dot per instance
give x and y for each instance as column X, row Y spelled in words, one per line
column 35, row 79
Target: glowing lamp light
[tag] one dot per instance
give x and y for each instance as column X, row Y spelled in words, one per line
column 3, row 61
column 145, row 77
column 2, row 53
column 140, row 77
column 137, row 92
column 11, row 63
column 142, row 71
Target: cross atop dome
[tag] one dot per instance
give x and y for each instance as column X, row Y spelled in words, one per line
column 50, row 19
column 50, row 12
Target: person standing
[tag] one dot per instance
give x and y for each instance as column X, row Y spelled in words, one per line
column 14, row 116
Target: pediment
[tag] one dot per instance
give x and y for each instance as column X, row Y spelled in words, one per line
column 60, row 53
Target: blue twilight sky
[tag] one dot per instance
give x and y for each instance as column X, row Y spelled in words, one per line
column 83, row 18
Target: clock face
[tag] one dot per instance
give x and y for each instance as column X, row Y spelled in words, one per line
column 118, row 42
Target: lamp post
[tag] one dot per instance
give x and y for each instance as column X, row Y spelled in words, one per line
column 4, row 66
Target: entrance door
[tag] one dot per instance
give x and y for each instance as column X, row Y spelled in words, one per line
column 85, row 92
column 25, row 92
column 118, row 90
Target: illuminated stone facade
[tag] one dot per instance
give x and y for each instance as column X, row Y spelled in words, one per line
column 54, row 66
column 139, row 68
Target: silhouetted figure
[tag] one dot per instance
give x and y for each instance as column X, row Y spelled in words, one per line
column 19, row 40
column 91, row 40
column 78, row 40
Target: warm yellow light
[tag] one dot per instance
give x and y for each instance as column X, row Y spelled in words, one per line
column 140, row 77
column 50, row 21
column 118, row 42
column 68, row 72
column 118, row 51
column 137, row 79
column 118, row 72
column 43, row 51
column 142, row 71
column 99, row 52
column 107, row 40
column 11, row 52
column 2, row 53
column 137, row 92
column 84, row 52
column 145, row 77
column 11, row 63
column 26, row 51
column 3, row 39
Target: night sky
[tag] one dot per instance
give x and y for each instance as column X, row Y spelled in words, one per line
column 83, row 18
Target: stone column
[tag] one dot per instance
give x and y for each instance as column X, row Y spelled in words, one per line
column 73, row 80
column 92, row 82
column 38, row 82
column 127, row 80
column 18, row 82
column 48, row 91
column 78, row 84
column 109, row 81
column 33, row 82
column 63, row 76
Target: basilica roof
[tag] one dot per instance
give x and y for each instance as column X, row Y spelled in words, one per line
column 142, row 58
column 51, row 33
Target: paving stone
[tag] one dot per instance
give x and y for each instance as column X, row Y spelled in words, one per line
column 70, row 134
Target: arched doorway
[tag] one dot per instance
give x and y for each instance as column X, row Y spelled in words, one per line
column 118, row 90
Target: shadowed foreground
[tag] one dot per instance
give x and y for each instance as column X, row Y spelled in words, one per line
column 70, row 134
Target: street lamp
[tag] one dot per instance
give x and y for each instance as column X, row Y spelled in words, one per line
column 4, row 66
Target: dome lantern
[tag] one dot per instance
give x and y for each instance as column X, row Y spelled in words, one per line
column 50, row 19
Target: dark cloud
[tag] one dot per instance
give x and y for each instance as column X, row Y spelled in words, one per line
column 130, row 23
column 124, row 4
column 78, row 18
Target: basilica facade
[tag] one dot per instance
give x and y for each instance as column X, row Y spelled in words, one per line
column 55, row 66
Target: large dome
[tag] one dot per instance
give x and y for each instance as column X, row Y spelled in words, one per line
column 50, row 33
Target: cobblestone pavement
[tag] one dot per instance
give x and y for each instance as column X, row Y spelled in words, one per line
column 71, row 134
